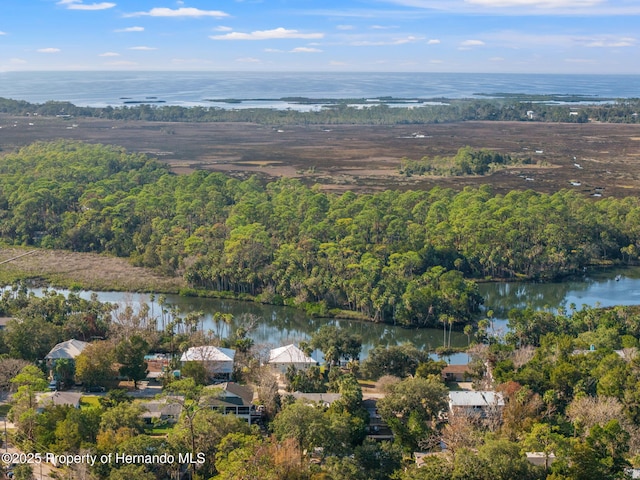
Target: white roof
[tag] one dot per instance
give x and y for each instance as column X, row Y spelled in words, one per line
column 208, row 353
column 289, row 354
column 468, row 398
column 69, row 349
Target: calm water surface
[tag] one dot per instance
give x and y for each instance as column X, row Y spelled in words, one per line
column 283, row 325
column 99, row 89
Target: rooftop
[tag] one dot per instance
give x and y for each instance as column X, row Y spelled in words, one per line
column 289, row 354
column 69, row 349
column 475, row 399
column 208, row 353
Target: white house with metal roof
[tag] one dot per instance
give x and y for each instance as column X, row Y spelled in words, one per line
column 69, row 349
column 479, row 403
column 217, row 361
column 280, row 358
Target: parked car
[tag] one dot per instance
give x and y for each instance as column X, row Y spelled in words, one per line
column 94, row 389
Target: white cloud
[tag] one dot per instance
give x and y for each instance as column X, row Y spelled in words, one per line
column 528, row 7
column 179, row 12
column 273, row 50
column 130, row 29
column 78, row 5
column 48, row 50
column 247, row 60
column 143, row 48
column 471, row 43
column 536, row 3
column 517, row 39
column 580, row 60
column 222, row 28
column 345, row 27
column 17, row 61
column 276, row 33
column 433, row 41
column 395, row 41
column 382, row 27
column 306, row 50
column 109, row 54
column 496, row 59
column 2, row 33
column 608, row 42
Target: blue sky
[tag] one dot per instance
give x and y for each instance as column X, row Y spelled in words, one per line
column 514, row 36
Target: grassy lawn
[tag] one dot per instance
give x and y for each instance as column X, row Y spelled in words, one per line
column 87, row 401
column 160, row 430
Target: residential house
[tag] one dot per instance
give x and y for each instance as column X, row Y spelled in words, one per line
column 164, row 409
column 68, row 350
column 47, row 399
column 282, row 357
column 478, row 404
column 456, row 373
column 324, row 399
column 541, row 459
column 234, row 399
column 378, row 428
column 157, row 365
column 217, row 361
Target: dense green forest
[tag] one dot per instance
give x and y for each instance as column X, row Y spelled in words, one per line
column 402, row 257
column 444, row 110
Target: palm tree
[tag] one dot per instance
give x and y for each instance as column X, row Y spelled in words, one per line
column 468, row 330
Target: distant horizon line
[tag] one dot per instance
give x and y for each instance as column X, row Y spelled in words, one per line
column 345, row 72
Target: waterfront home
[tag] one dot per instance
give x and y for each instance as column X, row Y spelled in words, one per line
column 456, row 373
column 282, row 357
column 217, row 361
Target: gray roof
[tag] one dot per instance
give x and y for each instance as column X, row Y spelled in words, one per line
column 59, row 398
column 162, row 408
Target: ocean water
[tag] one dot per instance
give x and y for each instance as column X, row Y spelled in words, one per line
column 99, row 89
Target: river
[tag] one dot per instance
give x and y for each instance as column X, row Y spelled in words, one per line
column 278, row 326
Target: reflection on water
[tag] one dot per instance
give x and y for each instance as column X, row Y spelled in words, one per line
column 278, row 326
column 605, row 288
column 283, row 325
